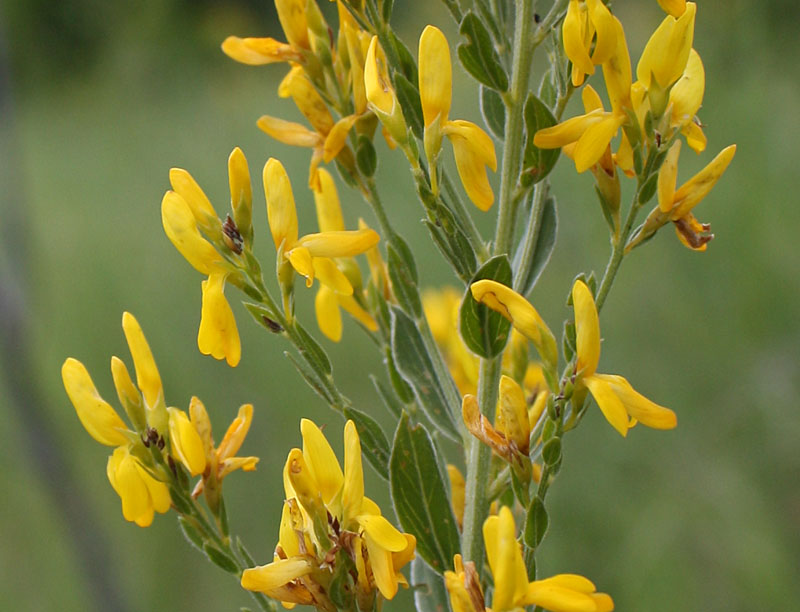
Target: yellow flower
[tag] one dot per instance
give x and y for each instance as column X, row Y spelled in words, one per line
column 328, row 137
column 328, row 303
column 473, row 148
column 258, row 51
column 222, row 460
column 665, row 55
column 512, row 589
column 185, row 442
column 673, row 7
column 619, row 402
column 311, row 254
column 141, row 494
column 593, row 131
column 332, row 503
column 521, row 313
column 184, row 213
column 584, row 22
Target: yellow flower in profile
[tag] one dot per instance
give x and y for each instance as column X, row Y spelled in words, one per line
column 665, row 55
column 586, row 21
column 259, row 51
column 310, row 255
column 621, row 405
column 185, row 442
column 512, row 589
column 328, row 137
column 593, row 131
column 522, row 315
column 331, row 503
column 186, row 211
column 328, row 303
column 676, row 205
column 472, row 147
column 141, row 494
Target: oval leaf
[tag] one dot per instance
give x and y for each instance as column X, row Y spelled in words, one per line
column 485, row 331
column 493, row 111
column 545, row 243
column 478, row 56
column 535, row 523
column 413, row 362
column 537, row 163
column 420, row 496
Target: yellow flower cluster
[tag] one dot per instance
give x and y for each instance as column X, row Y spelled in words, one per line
column 140, row 480
column 662, row 103
column 330, row 529
column 512, row 589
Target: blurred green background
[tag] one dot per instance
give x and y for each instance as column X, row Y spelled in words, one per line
column 98, row 100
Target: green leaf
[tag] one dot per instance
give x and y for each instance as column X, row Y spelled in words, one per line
column 220, row 559
column 404, row 280
column 551, row 451
column 374, row 444
column 407, row 63
column 493, row 111
column 535, row 523
column 191, row 533
column 548, row 92
column 420, row 495
column 537, row 163
column 390, row 401
column 311, row 378
column 179, row 501
column 485, row 331
column 310, row 349
column 401, row 387
column 413, row 362
column 430, row 594
column 478, row 56
column 455, row 248
column 408, row 97
column 387, row 10
column 263, row 317
column 366, row 158
column 648, row 190
column 545, row 243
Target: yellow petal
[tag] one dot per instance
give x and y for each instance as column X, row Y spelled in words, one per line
column 606, row 31
column 591, row 99
column 353, row 491
column 698, row 187
column 382, row 532
column 268, row 577
column 339, row 244
column 514, row 410
column 281, row 211
column 202, row 424
column 321, row 460
column 638, row 406
column 379, row 90
column 673, row 7
column 595, row 141
column 236, row 433
column 576, row 582
column 258, row 51
column 686, row 95
column 694, row 136
column 574, row 34
column 665, row 54
column 304, row 484
column 292, row 15
column 617, row 72
column 435, row 75
column 307, row 98
column 329, row 212
column 477, row 140
column 567, row 131
column 472, row 172
column 159, row 492
column 147, row 377
column 303, row 263
column 218, row 335
column 289, row 132
column 587, row 329
column 330, row 275
column 132, row 491
column 128, row 394
column 609, row 403
column 185, row 442
column 558, row 598
column 329, row 318
column 241, row 191
column 380, row 561
column 505, row 559
column 520, row 312
column 667, row 178
column 184, row 185
column 96, row 415
column 337, row 138
column 355, row 310
column 181, row 229
column 403, row 557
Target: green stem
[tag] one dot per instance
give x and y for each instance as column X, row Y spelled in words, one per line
column 478, row 460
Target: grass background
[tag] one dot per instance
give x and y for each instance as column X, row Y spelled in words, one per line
column 99, row 100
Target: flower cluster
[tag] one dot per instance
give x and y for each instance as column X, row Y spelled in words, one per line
column 334, row 542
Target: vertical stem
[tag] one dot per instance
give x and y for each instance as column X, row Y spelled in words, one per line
column 478, row 454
